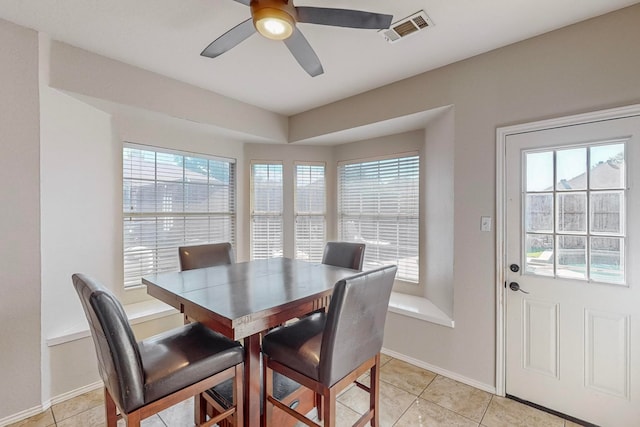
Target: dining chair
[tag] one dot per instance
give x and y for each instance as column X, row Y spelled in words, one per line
column 341, row 254
column 344, row 254
column 326, row 352
column 143, row 378
column 209, row 255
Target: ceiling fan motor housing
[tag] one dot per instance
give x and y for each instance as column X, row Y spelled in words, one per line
column 279, row 9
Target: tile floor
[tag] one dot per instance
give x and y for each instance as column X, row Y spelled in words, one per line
column 409, row 396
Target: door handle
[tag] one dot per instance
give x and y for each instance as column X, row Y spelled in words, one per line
column 514, row 286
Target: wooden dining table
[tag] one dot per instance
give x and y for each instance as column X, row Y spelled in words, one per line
column 243, row 300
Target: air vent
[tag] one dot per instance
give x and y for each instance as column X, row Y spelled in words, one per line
column 407, row 26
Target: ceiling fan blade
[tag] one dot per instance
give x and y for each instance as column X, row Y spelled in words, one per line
column 343, row 17
column 245, row 2
column 230, row 39
column 304, row 54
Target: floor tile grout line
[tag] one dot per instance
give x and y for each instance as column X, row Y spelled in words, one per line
column 162, row 420
column 484, row 414
column 405, row 411
column 53, row 415
column 452, row 411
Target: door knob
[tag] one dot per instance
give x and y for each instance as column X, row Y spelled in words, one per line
column 514, row 286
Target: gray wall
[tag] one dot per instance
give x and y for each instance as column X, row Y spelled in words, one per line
column 19, row 220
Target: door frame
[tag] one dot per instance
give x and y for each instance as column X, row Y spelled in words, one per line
column 502, row 133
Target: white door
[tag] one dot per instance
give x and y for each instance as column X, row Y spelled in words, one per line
column 573, row 245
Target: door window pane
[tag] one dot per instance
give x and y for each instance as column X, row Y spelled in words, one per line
column 607, row 259
column 539, row 212
column 539, row 171
column 607, row 166
column 539, row 250
column 572, row 212
column 572, row 257
column 571, row 169
column 607, row 212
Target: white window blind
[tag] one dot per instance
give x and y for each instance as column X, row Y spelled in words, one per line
column 266, row 210
column 378, row 204
column 310, row 202
column 172, row 199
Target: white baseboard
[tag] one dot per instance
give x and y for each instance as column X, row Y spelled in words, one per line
column 77, row 392
column 36, row 410
column 23, row 415
column 445, row 373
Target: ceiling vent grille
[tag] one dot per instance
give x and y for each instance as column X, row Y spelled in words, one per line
column 407, row 26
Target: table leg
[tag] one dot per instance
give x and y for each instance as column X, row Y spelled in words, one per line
column 252, row 380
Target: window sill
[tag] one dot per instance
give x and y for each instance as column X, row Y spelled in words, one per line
column 418, row 308
column 139, row 312
column 145, row 311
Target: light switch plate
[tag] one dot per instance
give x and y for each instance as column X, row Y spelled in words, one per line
column 485, row 223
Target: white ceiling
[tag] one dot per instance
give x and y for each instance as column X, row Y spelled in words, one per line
column 167, row 36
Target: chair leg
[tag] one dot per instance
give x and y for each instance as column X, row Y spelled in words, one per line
column 329, row 407
column 200, row 409
column 267, row 408
column 374, row 392
column 238, row 395
column 133, row 419
column 319, row 406
column 111, row 414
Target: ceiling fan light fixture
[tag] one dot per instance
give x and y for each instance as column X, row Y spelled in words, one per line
column 274, row 24
column 276, row 20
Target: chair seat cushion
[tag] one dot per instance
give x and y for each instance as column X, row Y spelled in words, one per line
column 183, row 356
column 297, row 345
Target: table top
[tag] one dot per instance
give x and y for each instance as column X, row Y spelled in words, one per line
column 237, row 294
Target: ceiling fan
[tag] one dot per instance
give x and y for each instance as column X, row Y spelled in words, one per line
column 276, row 20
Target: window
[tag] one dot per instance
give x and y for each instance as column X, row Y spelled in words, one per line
column 378, row 204
column 172, row 199
column 310, row 201
column 574, row 200
column 266, row 210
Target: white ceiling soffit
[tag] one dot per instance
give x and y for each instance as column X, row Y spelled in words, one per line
column 167, row 36
column 383, row 128
column 180, row 124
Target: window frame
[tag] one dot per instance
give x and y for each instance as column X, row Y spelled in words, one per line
column 268, row 214
column 164, row 264
column 311, row 214
column 414, row 279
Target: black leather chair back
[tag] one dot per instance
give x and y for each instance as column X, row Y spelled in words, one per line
column 354, row 328
column 119, row 359
column 202, row 256
column 344, row 254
